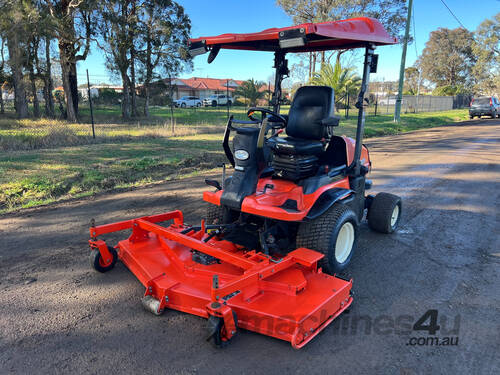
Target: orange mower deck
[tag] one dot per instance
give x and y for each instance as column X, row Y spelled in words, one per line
column 288, row 298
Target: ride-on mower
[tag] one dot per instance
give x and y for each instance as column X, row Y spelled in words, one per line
column 285, row 223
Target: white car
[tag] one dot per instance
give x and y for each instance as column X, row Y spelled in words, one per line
column 216, row 100
column 188, row 101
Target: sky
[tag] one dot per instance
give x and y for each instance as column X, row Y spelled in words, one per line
column 214, row 17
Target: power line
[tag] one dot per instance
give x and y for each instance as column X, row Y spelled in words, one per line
column 453, row 14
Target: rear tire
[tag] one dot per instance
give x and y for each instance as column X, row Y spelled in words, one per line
column 96, row 261
column 384, row 213
column 214, row 214
column 335, row 234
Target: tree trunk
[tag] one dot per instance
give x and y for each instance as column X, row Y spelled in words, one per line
column 2, row 65
column 16, row 65
column 73, row 81
column 48, row 83
column 149, row 72
column 314, row 63
column 126, row 96
column 68, row 79
column 133, row 94
column 36, row 103
column 2, row 105
column 146, row 102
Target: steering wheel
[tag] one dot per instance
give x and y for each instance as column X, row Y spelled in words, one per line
column 262, row 110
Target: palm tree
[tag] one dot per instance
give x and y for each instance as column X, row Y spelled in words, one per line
column 251, row 90
column 342, row 80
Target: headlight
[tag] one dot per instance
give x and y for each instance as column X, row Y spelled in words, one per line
column 241, row 154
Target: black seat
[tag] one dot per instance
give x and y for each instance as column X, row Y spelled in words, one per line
column 309, row 127
column 295, row 146
column 310, row 122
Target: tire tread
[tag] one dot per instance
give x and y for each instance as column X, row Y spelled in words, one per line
column 315, row 235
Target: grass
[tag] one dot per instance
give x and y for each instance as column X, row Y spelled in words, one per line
column 44, row 161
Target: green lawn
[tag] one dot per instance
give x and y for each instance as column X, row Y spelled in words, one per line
column 37, row 166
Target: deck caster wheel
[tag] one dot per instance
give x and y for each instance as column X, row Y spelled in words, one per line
column 335, row 234
column 98, row 263
column 216, row 331
column 384, row 213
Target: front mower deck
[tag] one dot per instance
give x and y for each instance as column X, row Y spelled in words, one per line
column 288, row 298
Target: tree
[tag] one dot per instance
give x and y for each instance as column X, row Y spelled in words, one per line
column 74, row 22
column 447, row 58
column 450, row 90
column 15, row 20
column 251, row 90
column 412, row 80
column 3, row 76
column 117, row 19
column 486, row 47
column 344, row 81
column 164, row 31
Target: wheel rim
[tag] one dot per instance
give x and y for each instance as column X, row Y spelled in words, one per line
column 102, row 263
column 345, row 240
column 395, row 216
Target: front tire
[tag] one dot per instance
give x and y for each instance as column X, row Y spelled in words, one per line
column 183, row 105
column 384, row 213
column 335, row 234
column 214, row 214
column 214, row 103
column 97, row 263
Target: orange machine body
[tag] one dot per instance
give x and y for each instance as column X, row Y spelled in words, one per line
column 288, row 297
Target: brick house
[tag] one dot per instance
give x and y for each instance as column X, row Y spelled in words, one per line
column 203, row 87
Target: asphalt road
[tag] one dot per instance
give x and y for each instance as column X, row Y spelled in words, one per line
column 59, row 316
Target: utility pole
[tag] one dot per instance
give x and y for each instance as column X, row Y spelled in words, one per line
column 397, row 111
column 227, row 97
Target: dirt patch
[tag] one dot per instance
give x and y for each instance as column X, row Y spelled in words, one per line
column 58, row 316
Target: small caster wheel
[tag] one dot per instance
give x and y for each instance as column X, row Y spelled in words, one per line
column 217, row 330
column 97, row 262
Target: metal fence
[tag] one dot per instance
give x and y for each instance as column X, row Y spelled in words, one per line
column 420, row 103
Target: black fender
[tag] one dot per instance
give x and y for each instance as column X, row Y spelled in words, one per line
column 327, row 200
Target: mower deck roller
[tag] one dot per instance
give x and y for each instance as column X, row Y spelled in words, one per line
column 288, row 298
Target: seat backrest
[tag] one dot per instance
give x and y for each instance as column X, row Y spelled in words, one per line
column 310, row 105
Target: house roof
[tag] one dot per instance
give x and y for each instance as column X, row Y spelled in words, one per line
column 218, row 84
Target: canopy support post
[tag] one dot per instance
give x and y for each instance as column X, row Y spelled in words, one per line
column 356, row 163
column 281, row 66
